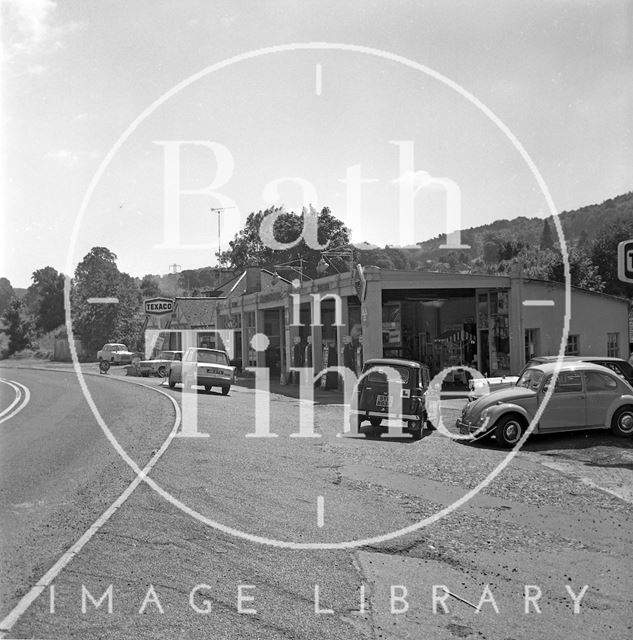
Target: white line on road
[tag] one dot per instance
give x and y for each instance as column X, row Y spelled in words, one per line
column 320, row 511
column 22, row 397
column 27, row 600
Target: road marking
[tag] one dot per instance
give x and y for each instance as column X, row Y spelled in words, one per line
column 538, row 303
column 318, row 79
column 22, row 398
column 27, row 600
column 103, row 301
column 320, row 511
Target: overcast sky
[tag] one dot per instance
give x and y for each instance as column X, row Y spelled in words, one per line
column 76, row 74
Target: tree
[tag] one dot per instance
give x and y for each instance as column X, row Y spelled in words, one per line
column 6, row 293
column 45, row 299
column 149, row 287
column 547, row 240
column 97, row 275
column 604, row 255
column 17, row 326
column 248, row 249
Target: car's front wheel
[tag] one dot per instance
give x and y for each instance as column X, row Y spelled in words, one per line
column 172, row 382
column 509, row 431
column 622, row 421
column 225, row 390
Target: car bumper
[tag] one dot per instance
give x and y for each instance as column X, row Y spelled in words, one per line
column 468, row 428
column 386, row 416
column 214, row 381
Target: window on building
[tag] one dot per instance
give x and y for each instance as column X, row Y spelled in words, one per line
column 613, row 346
column 573, row 345
column 532, row 346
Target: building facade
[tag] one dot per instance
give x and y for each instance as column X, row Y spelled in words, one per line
column 492, row 323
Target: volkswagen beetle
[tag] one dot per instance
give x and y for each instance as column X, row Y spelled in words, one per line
column 586, row 396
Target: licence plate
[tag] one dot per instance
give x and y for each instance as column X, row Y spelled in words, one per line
column 215, row 372
column 384, row 401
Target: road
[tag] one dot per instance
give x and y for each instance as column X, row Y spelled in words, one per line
column 557, row 518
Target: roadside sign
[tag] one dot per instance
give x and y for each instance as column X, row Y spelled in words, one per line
column 159, row 306
column 625, row 261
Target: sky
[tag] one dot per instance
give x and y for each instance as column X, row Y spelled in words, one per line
column 384, row 102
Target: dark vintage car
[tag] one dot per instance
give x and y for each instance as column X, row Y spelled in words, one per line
column 586, row 396
column 205, row 367
column 480, row 387
column 375, row 404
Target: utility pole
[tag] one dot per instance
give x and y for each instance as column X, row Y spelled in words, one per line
column 219, row 211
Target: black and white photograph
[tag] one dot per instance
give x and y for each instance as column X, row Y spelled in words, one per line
column 316, row 320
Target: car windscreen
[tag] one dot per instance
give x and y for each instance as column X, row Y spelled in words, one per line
column 530, row 379
column 377, row 374
column 212, row 357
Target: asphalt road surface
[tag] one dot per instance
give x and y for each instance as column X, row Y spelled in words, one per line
column 177, row 559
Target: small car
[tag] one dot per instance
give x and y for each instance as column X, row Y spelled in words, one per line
column 374, row 403
column 115, row 353
column 480, row 387
column 586, row 396
column 160, row 365
column 205, row 367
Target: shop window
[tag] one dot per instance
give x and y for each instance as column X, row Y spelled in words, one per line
column 573, row 345
column 613, row 347
column 532, row 346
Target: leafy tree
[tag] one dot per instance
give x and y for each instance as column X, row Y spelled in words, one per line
column 17, row 326
column 6, row 293
column 547, row 240
column 97, row 275
column 248, row 249
column 604, row 255
column 150, row 287
column 45, row 299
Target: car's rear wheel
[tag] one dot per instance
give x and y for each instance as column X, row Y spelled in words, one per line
column 172, row 382
column 373, row 433
column 622, row 421
column 162, row 371
column 225, row 390
column 509, row 431
column 207, row 388
column 375, row 422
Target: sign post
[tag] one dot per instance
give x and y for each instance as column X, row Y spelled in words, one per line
column 625, row 261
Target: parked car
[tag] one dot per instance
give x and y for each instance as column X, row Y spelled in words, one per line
column 160, row 365
column 206, row 367
column 480, row 387
column 586, row 396
column 115, row 353
column 374, row 404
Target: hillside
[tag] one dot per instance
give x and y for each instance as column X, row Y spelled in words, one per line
column 577, row 225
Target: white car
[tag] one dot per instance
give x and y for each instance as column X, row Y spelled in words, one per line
column 204, row 367
column 115, row 353
column 160, row 365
